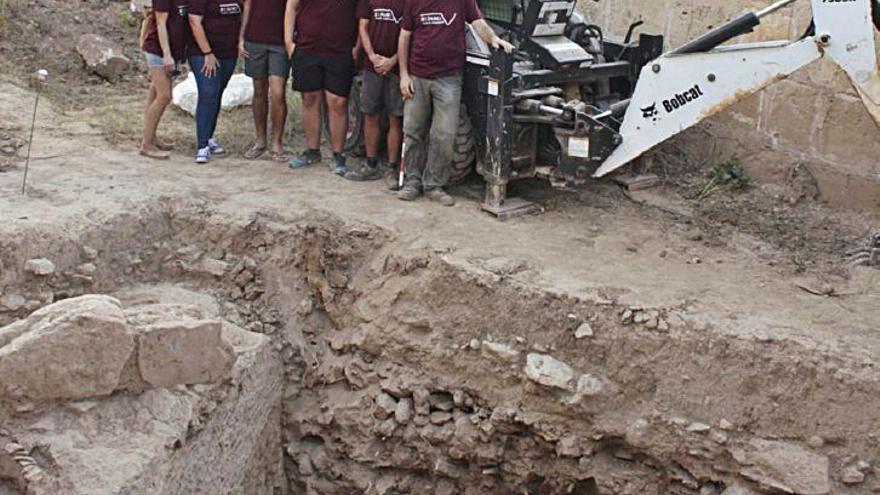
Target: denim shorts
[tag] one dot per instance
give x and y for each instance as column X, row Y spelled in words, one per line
column 154, row 61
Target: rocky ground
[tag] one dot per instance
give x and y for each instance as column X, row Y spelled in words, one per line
column 613, row 345
column 243, row 328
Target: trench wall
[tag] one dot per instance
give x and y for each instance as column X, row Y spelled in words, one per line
column 814, row 118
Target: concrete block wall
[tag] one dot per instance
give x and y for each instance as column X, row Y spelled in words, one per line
column 814, row 119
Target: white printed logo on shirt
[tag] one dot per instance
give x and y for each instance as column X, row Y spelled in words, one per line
column 230, row 9
column 385, row 15
column 436, row 19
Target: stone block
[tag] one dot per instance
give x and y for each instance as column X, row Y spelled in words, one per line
column 184, row 352
column 72, row 349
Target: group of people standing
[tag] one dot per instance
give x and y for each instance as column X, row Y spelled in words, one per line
column 414, row 53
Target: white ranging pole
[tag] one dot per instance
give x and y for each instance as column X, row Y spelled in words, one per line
column 39, row 77
column 402, row 165
column 677, row 91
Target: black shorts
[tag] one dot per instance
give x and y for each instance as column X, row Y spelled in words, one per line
column 333, row 73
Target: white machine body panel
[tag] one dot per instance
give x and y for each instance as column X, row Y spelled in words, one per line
column 850, row 44
column 676, row 92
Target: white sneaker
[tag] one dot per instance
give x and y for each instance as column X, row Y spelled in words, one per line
column 215, row 147
column 203, row 155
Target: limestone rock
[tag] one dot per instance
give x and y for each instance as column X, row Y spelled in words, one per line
column 587, row 386
column 498, row 351
column 213, row 267
column 550, row 372
column 440, row 417
column 184, row 352
column 12, row 302
column 404, row 411
column 40, row 266
column 421, row 401
column 854, row 474
column 72, row 349
column 102, row 56
column 385, row 406
column 737, row 489
column 783, row 467
column 698, row 427
column 583, row 331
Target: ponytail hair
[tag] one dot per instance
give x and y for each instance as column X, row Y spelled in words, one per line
column 147, row 25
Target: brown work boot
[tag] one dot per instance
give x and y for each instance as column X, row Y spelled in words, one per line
column 438, row 195
column 409, row 193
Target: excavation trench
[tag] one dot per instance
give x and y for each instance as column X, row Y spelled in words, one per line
column 368, row 365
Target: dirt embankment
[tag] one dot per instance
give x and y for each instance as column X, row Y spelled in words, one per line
column 410, row 368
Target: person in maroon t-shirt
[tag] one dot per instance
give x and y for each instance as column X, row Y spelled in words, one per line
column 262, row 46
column 215, row 25
column 432, row 53
column 321, row 39
column 164, row 43
column 380, row 92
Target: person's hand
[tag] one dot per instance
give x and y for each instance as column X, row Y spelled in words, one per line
column 242, row 50
column 407, row 88
column 211, row 65
column 355, row 52
column 290, row 46
column 169, row 63
column 385, row 66
column 376, row 60
column 500, row 44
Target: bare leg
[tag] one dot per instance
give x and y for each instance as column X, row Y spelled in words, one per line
column 338, row 120
column 395, row 137
column 372, row 133
column 261, row 110
column 278, row 106
column 158, row 100
column 311, row 116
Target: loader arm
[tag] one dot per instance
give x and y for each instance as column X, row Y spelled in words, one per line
column 685, row 86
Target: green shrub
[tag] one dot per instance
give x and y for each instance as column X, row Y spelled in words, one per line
column 730, row 175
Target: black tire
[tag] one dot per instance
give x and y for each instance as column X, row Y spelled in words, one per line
column 354, row 138
column 465, row 151
column 875, row 13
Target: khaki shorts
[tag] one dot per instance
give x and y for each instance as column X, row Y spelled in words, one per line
column 381, row 94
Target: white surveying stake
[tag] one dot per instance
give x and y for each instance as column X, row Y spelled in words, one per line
column 693, row 82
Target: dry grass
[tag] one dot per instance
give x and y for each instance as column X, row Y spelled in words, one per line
column 121, row 121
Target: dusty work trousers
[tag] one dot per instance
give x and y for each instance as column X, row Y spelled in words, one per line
column 430, row 124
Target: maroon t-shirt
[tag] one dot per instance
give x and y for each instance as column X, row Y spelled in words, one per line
column 177, row 25
column 384, row 25
column 266, row 22
column 326, row 27
column 222, row 22
column 438, row 35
